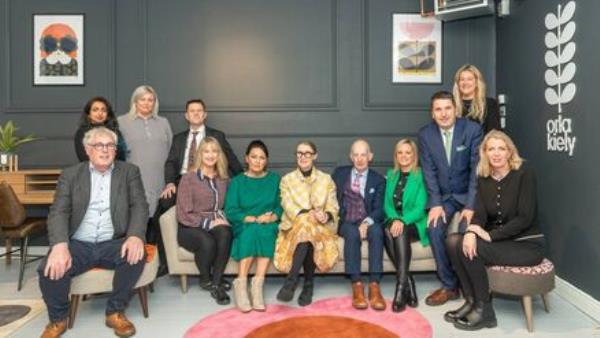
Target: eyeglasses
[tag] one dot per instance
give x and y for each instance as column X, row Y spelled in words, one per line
column 50, row 44
column 305, row 154
column 103, row 146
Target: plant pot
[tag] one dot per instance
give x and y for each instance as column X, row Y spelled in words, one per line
column 9, row 161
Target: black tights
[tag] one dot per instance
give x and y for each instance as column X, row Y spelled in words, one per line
column 303, row 257
column 472, row 273
column 399, row 250
column 211, row 249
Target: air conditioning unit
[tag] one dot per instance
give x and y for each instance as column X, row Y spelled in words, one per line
column 447, row 10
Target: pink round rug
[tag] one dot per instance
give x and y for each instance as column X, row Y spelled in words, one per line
column 232, row 323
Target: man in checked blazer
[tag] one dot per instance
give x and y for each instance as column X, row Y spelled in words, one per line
column 98, row 219
column 449, row 153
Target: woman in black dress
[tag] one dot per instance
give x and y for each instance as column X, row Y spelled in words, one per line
column 504, row 229
column 471, row 102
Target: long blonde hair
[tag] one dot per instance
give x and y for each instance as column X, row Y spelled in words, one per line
column 137, row 93
column 514, row 161
column 415, row 151
column 477, row 110
column 221, row 165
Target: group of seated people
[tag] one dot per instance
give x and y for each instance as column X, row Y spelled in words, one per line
column 105, row 208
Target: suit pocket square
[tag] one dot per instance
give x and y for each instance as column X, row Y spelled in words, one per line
column 461, row 148
column 372, row 191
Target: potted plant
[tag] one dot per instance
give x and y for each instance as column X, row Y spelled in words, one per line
column 9, row 142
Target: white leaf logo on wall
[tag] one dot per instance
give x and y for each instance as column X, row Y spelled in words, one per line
column 561, row 50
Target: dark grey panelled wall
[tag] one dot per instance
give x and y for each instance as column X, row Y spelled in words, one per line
column 282, row 70
column 569, row 186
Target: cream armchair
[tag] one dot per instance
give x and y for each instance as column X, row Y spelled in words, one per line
column 181, row 262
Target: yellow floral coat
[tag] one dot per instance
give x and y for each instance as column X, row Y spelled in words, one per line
column 316, row 192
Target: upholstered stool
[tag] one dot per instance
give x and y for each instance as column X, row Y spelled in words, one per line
column 100, row 281
column 524, row 281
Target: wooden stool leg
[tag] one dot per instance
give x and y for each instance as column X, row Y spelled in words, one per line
column 73, row 309
column 24, row 247
column 8, row 247
column 184, row 283
column 546, row 303
column 527, row 306
column 143, row 294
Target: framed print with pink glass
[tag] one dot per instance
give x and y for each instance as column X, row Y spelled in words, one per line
column 416, row 49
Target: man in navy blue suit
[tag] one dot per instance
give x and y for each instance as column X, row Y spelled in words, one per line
column 360, row 196
column 449, row 151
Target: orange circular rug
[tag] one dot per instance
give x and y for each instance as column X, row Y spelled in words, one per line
column 322, row 327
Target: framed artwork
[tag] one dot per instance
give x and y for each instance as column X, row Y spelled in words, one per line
column 58, row 49
column 416, row 49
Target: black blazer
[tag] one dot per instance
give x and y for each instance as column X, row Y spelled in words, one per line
column 177, row 154
column 374, row 191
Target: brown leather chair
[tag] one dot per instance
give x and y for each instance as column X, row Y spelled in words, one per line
column 14, row 224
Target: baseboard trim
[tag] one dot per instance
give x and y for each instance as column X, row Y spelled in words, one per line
column 581, row 300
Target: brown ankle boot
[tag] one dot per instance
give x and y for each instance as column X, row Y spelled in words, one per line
column 375, row 297
column 55, row 329
column 359, row 301
column 120, row 324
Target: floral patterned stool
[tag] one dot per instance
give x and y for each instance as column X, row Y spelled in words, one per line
column 524, row 281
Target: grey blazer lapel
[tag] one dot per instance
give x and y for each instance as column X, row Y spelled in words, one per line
column 115, row 181
column 84, row 189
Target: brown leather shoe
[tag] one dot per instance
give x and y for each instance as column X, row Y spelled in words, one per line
column 375, row 297
column 120, row 324
column 441, row 296
column 55, row 329
column 359, row 301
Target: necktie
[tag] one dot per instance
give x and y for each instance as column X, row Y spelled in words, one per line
column 356, row 183
column 448, row 144
column 192, row 151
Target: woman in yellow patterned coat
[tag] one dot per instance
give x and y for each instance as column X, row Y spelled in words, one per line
column 307, row 232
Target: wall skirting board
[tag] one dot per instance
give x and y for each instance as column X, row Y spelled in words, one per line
column 581, row 300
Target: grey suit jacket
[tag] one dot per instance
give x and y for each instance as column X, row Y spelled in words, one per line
column 128, row 206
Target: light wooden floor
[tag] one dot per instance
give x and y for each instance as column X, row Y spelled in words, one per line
column 172, row 313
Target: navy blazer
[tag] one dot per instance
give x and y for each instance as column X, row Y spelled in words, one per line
column 458, row 180
column 374, row 192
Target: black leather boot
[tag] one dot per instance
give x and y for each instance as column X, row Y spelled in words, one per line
column 400, row 297
column 452, row 316
column 482, row 315
column 305, row 297
column 412, row 299
column 286, row 293
column 219, row 294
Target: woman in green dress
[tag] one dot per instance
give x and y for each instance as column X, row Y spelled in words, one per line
column 253, row 208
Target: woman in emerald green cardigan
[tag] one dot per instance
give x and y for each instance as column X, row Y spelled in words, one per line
column 404, row 204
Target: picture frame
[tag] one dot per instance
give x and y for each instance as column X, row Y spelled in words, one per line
column 416, row 49
column 58, row 49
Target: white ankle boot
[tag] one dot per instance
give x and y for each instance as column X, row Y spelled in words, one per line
column 240, row 293
column 256, row 291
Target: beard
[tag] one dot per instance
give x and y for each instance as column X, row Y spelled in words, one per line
column 58, row 56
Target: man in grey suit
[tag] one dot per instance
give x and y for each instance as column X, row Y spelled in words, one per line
column 98, row 219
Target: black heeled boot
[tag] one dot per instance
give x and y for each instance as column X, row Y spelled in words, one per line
column 482, row 315
column 219, row 294
column 412, row 299
column 306, row 294
column 453, row 316
column 286, row 293
column 400, row 297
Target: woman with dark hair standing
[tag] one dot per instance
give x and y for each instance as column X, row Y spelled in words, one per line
column 98, row 112
column 254, row 209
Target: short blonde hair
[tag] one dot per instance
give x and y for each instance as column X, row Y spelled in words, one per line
column 137, row 93
column 91, row 134
column 415, row 151
column 514, row 161
column 221, row 165
column 477, row 110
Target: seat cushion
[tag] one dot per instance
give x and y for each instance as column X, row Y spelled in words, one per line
column 522, row 280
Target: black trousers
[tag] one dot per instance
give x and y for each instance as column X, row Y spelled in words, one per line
column 399, row 250
column 303, row 258
column 85, row 256
column 211, row 249
column 153, row 234
column 472, row 274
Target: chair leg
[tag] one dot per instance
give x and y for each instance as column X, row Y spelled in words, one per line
column 546, row 302
column 183, row 283
column 24, row 249
column 143, row 293
column 527, row 306
column 73, row 309
column 8, row 247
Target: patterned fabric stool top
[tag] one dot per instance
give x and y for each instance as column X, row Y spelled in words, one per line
column 541, row 269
